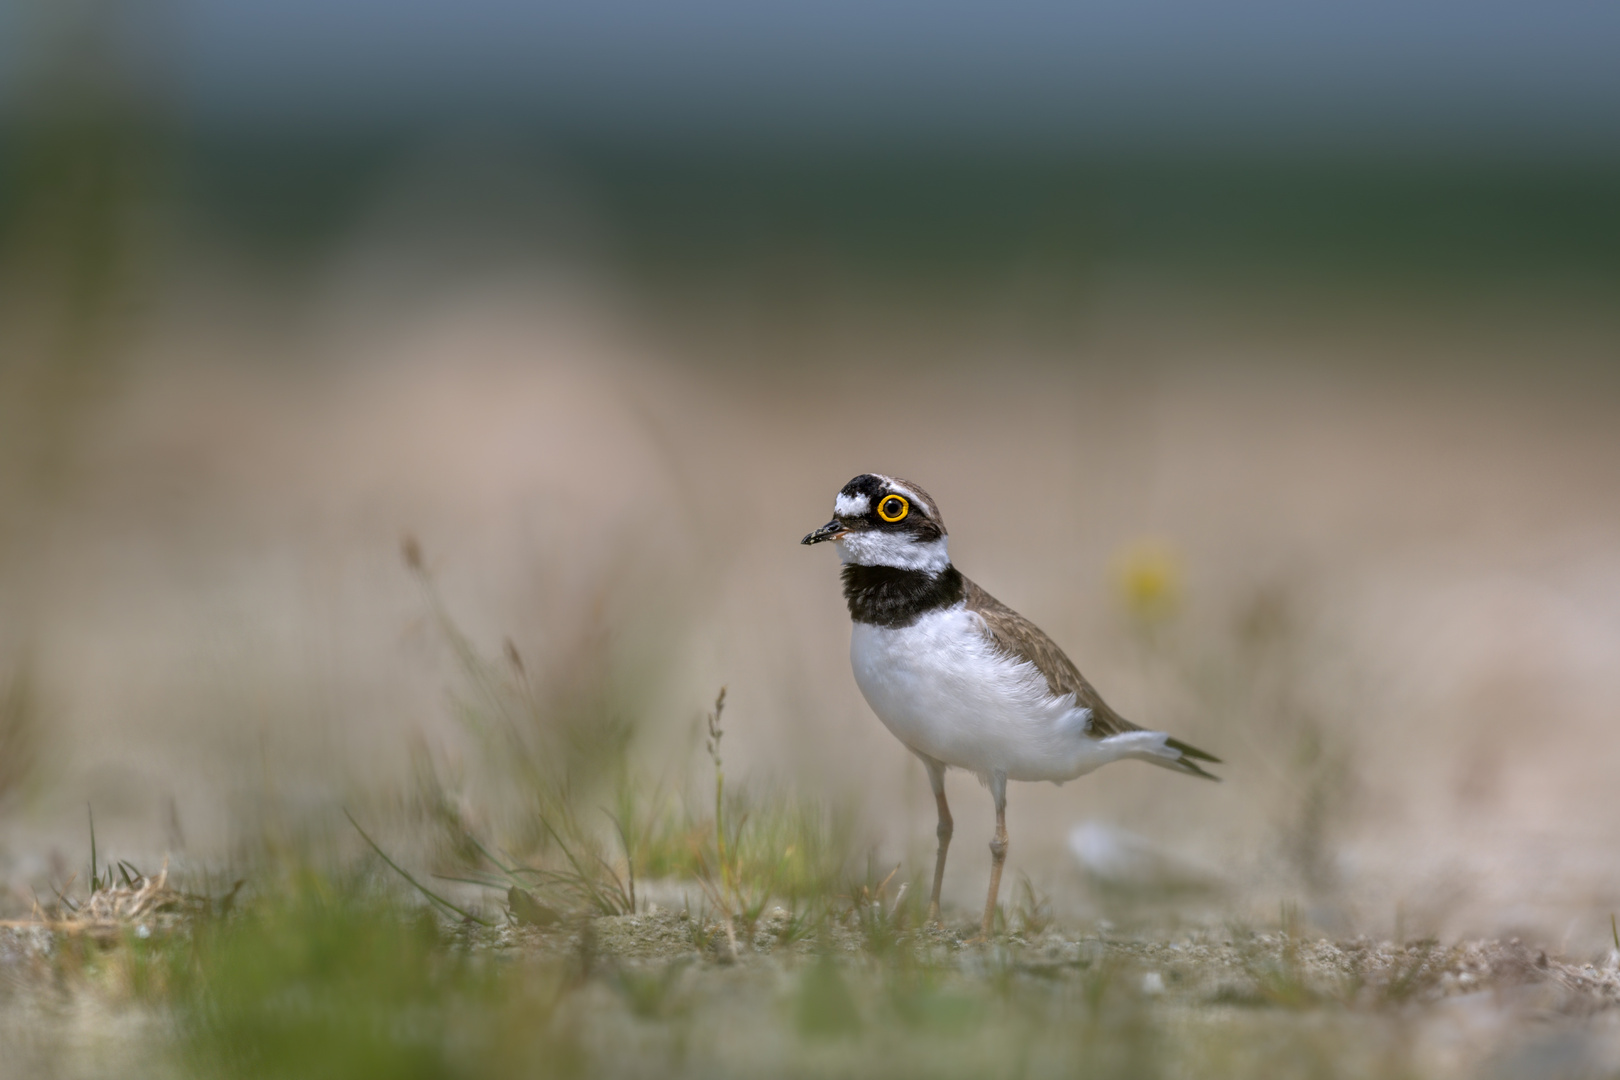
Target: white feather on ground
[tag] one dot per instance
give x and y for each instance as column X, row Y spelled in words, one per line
column 1121, row 860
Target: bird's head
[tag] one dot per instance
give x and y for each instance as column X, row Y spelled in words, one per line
column 885, row 521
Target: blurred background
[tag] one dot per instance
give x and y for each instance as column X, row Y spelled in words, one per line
column 1264, row 354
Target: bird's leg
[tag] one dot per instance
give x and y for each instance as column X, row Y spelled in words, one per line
column 998, row 853
column 936, row 779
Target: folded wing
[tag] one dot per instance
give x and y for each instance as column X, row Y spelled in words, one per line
column 1021, row 639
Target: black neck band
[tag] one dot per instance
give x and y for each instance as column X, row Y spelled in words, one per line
column 892, row 596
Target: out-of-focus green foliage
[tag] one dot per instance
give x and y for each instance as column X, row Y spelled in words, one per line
column 19, row 731
column 326, row 981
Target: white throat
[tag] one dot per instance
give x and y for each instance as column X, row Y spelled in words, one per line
column 873, row 548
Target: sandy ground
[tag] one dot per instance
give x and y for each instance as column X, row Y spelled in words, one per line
column 665, row 993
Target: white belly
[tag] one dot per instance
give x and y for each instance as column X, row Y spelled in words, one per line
column 943, row 689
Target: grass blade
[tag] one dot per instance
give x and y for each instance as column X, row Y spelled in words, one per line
column 402, row 872
column 94, row 884
column 580, row 876
column 482, row 883
column 629, row 859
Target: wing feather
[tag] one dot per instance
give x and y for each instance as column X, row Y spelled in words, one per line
column 1017, row 637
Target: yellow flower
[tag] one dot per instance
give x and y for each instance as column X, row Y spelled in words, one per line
column 1147, row 573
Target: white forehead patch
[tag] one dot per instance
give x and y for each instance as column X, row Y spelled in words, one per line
column 879, row 548
column 851, row 505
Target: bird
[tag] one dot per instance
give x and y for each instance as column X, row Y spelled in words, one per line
column 961, row 679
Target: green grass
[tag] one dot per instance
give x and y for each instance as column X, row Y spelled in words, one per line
column 327, row 981
column 588, row 817
column 350, row 972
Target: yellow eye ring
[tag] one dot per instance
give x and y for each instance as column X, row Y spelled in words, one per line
column 886, row 505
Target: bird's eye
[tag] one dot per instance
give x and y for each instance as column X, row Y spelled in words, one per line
column 893, row 508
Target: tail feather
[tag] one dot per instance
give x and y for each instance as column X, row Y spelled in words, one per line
column 1168, row 753
column 1185, row 765
column 1190, row 751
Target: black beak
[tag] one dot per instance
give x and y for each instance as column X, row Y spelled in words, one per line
column 830, row 531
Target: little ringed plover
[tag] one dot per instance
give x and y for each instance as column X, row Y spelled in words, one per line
column 960, row 678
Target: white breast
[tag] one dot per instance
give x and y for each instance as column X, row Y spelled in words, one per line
column 943, row 689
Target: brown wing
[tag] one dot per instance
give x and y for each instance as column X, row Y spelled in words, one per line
column 1018, row 637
